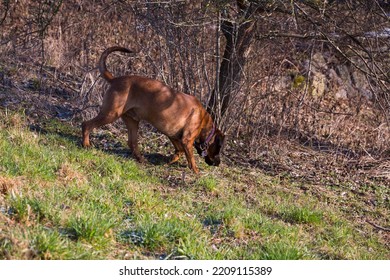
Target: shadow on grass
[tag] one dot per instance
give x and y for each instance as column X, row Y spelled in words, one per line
column 103, row 143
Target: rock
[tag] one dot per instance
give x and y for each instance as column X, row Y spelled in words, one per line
column 318, row 84
column 361, row 84
column 281, row 83
column 341, row 94
column 344, row 74
column 318, row 62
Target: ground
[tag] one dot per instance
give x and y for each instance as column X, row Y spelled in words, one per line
column 60, row 201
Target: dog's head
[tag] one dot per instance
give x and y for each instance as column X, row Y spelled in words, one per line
column 213, row 149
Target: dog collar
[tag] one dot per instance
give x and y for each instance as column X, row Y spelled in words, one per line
column 203, row 146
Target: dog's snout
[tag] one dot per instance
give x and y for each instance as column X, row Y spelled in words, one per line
column 208, row 160
column 213, row 161
column 217, row 161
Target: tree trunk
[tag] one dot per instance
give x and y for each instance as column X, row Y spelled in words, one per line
column 238, row 42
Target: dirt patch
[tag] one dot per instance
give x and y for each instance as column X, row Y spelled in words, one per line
column 67, row 174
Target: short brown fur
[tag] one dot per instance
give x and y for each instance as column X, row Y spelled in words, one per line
column 179, row 116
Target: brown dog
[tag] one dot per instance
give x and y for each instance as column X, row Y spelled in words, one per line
column 179, row 116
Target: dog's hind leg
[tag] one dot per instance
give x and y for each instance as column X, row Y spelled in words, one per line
column 132, row 141
column 100, row 120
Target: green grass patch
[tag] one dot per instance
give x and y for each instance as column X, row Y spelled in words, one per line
column 59, row 201
column 89, row 226
column 281, row 251
column 297, row 214
column 209, row 184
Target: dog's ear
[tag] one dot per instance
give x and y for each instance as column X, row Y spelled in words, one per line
column 220, row 140
column 223, row 143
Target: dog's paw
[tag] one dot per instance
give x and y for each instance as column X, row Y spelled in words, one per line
column 86, row 145
column 173, row 159
column 140, row 159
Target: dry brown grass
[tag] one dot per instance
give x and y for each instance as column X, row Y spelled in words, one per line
column 68, row 174
column 10, row 185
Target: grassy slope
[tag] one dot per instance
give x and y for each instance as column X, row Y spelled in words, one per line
column 58, row 201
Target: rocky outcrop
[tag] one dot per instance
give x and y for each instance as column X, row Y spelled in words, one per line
column 343, row 81
column 324, row 74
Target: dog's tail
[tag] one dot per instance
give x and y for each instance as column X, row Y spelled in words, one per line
column 102, row 62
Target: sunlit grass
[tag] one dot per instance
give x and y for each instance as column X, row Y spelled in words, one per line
column 59, row 201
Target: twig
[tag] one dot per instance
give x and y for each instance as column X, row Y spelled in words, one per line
column 7, row 8
column 378, row 227
column 60, row 81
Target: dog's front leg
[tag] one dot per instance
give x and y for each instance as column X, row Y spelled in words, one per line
column 178, row 150
column 189, row 152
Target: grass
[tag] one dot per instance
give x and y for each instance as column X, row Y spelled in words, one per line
column 59, row 201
